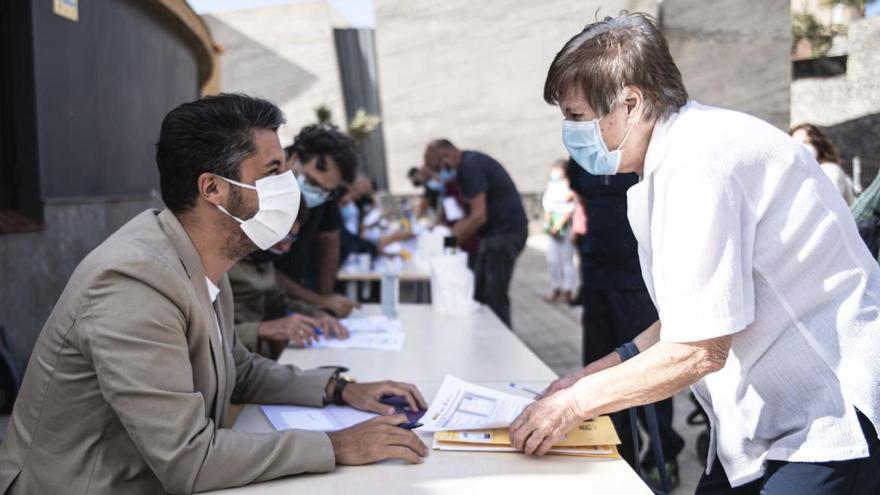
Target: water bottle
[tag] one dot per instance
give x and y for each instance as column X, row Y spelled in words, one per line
column 390, row 291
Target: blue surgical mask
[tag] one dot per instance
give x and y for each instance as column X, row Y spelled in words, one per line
column 584, row 142
column 435, row 185
column 314, row 195
column 447, row 175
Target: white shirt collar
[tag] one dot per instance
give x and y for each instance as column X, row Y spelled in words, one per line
column 213, row 290
column 658, row 145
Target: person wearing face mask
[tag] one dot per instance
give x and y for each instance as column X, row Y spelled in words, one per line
column 135, row 370
column 494, row 212
column 768, row 300
column 826, row 155
column 559, row 203
column 324, row 159
column 431, row 191
column 266, row 319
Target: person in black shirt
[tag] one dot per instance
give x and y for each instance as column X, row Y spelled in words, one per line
column 495, row 212
column 323, row 158
column 616, row 304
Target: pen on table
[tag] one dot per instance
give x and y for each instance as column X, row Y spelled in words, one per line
column 317, row 330
column 525, row 389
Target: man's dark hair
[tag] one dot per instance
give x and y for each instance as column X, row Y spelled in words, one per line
column 213, row 134
column 322, row 140
column 413, row 172
column 443, row 143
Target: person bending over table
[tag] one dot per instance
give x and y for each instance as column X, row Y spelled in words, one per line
column 266, row 319
column 324, row 159
column 138, row 363
column 768, row 300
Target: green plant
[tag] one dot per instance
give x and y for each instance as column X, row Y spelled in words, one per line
column 324, row 114
column 805, row 26
column 362, row 124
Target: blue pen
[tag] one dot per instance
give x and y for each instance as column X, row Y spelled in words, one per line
column 525, row 389
column 317, row 330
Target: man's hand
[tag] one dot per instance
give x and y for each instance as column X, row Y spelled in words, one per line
column 365, row 396
column 299, row 329
column 331, row 326
column 340, row 305
column 545, row 422
column 377, row 440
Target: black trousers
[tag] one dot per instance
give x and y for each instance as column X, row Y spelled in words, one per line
column 853, row 477
column 493, row 269
column 610, row 319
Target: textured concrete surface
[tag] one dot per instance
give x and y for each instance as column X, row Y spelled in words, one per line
column 474, row 72
column 734, row 53
column 34, row 267
column 285, row 54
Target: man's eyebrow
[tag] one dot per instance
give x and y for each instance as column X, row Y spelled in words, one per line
column 273, row 164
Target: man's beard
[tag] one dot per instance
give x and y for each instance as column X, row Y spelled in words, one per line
column 236, row 244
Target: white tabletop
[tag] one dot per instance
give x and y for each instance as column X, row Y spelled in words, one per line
column 477, row 348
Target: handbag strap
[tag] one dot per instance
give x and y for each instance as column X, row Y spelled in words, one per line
column 627, row 351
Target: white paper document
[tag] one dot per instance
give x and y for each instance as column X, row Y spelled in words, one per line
column 390, row 341
column 460, row 405
column 372, row 324
column 330, row 418
column 451, row 210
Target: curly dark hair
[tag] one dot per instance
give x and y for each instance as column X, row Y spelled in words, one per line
column 825, row 149
column 324, row 140
column 213, row 134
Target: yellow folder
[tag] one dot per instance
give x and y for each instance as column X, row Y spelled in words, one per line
column 593, row 438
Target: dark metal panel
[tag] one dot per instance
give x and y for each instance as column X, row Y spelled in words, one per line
column 103, row 85
column 356, row 55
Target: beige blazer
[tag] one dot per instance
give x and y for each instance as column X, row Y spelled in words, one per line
column 128, row 382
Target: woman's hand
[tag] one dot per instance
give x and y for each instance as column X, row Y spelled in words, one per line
column 563, row 383
column 545, row 422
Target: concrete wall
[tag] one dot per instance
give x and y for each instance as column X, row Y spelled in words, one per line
column 734, row 53
column 284, row 54
column 474, row 72
column 34, row 267
column 848, row 106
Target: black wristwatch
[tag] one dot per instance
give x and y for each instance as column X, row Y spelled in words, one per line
column 341, row 382
column 337, row 375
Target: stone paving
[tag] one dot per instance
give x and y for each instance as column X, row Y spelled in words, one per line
column 553, row 332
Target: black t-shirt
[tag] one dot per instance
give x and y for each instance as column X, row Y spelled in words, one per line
column 300, row 263
column 609, row 251
column 480, row 173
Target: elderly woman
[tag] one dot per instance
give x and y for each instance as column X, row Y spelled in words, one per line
column 769, row 302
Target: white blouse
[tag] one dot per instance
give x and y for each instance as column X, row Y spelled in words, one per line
column 741, row 234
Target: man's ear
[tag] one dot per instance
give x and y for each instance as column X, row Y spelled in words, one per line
column 212, row 189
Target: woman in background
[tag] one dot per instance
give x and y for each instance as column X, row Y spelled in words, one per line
column 824, row 151
column 559, row 205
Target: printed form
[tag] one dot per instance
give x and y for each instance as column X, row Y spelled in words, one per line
column 460, row 405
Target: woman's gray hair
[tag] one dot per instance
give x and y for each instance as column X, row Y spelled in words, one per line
column 626, row 50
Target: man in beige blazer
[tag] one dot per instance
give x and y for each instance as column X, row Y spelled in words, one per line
column 137, row 364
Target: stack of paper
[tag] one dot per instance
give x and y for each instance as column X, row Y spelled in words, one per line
column 468, row 417
column 594, row 438
column 368, row 332
column 329, row 418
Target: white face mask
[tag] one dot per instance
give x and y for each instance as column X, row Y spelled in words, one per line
column 278, row 197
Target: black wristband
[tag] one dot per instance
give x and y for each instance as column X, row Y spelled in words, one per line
column 341, row 383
